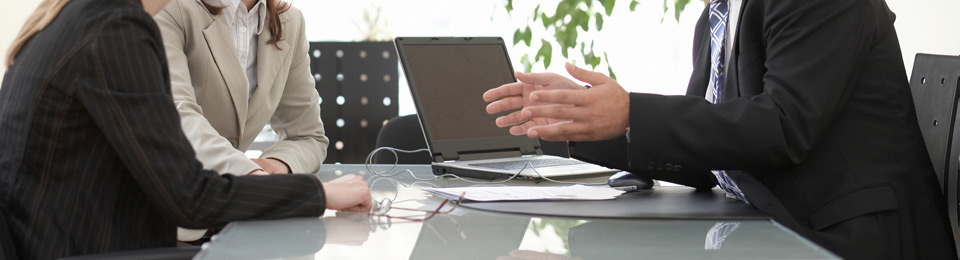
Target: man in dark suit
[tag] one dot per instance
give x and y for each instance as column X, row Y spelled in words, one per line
column 800, row 108
column 92, row 156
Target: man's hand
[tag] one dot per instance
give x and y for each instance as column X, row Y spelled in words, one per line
column 559, row 111
column 514, row 96
column 272, row 166
column 348, row 193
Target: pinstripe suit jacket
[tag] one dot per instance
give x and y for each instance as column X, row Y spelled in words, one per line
column 92, row 156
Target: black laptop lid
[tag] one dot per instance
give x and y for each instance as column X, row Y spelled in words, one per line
column 447, row 78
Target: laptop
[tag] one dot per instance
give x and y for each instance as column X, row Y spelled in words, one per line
column 447, row 78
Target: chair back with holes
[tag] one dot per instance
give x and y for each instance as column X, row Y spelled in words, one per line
column 933, row 84
column 357, row 83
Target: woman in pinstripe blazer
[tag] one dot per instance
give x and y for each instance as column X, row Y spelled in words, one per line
column 92, row 156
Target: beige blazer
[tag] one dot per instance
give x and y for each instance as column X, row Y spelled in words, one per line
column 211, row 91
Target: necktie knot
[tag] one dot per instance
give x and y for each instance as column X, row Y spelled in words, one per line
column 718, row 1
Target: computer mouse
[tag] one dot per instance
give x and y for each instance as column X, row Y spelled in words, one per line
column 629, row 182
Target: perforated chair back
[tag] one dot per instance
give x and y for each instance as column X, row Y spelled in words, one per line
column 357, row 83
column 933, row 84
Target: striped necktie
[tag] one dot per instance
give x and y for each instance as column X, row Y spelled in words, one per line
column 718, row 33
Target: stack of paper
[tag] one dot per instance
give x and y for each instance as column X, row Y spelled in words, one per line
column 504, row 193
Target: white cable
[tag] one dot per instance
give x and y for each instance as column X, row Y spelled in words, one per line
column 396, row 160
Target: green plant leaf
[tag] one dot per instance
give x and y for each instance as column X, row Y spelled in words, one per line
column 547, row 21
column 546, row 52
column 633, row 5
column 509, row 6
column 599, row 22
column 609, row 68
column 581, row 18
column 608, row 6
column 517, row 37
column 561, row 12
column 535, row 12
column 678, row 7
column 594, row 60
column 527, row 36
column 567, row 38
column 527, row 64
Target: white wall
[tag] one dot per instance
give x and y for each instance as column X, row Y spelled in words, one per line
column 927, row 26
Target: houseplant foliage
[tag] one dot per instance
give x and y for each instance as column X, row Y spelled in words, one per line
column 567, row 21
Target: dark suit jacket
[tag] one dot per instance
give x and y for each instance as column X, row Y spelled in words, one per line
column 817, row 126
column 92, row 157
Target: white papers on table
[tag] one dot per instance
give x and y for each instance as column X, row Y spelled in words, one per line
column 505, row 193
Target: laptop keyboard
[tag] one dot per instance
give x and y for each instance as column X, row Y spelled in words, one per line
column 517, row 165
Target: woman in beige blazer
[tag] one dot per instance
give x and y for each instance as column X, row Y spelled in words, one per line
column 234, row 66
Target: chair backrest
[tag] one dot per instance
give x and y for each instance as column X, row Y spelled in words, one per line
column 7, row 250
column 933, row 84
column 357, row 83
column 402, row 132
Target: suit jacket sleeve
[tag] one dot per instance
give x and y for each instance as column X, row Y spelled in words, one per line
column 214, row 151
column 132, row 106
column 303, row 144
column 615, row 153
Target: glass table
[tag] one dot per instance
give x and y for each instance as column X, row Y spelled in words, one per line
column 467, row 233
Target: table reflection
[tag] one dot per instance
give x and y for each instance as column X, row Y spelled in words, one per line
column 298, row 237
column 474, row 236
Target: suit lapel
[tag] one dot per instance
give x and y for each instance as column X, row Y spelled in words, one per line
column 218, row 38
column 700, row 78
column 731, row 81
column 269, row 58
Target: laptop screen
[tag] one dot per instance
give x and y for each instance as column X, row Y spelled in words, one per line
column 450, row 80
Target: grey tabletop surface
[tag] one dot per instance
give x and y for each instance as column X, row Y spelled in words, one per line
column 467, row 233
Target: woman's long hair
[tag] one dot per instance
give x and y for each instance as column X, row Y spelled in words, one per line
column 39, row 19
column 274, row 9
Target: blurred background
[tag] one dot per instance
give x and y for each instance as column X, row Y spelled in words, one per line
column 645, row 43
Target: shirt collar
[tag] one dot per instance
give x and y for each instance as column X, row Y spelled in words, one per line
column 261, row 7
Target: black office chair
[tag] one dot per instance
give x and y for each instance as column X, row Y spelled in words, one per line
column 934, row 87
column 402, row 132
column 7, row 251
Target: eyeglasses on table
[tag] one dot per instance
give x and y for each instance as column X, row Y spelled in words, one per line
column 381, row 208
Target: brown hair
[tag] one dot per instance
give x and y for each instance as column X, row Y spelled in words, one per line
column 274, row 9
column 39, row 19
